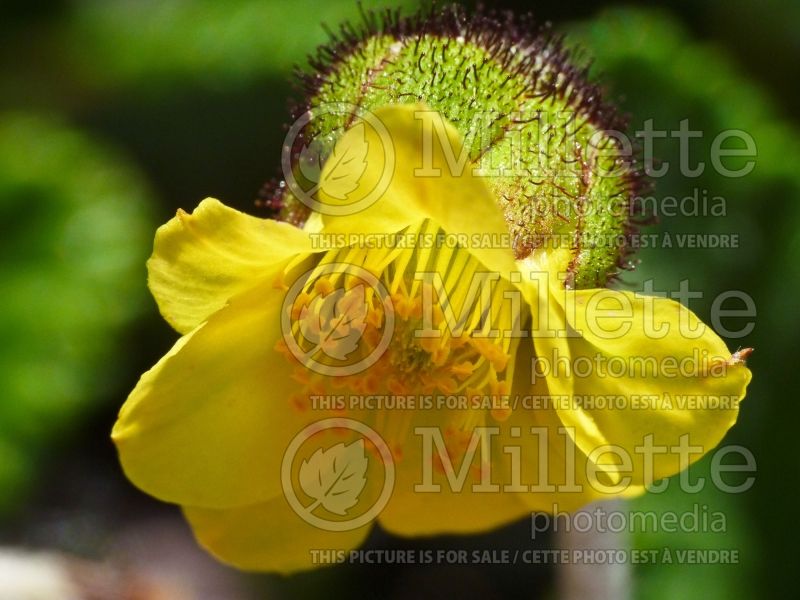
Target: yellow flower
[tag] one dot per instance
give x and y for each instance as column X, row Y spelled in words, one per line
column 209, row 425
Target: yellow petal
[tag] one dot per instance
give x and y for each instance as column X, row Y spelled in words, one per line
column 203, row 259
column 208, row 425
column 412, row 511
column 392, row 193
column 269, row 537
column 641, row 372
column 552, row 470
column 555, row 474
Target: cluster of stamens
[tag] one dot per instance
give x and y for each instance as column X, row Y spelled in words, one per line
column 443, row 342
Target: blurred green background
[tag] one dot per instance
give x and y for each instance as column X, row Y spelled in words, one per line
column 114, row 113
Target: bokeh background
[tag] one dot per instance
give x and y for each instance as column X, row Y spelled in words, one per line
column 114, row 113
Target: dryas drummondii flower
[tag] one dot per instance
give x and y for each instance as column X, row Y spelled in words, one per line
column 438, row 286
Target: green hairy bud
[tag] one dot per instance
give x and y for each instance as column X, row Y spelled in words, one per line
column 550, row 148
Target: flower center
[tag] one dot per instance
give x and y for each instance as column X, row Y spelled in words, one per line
column 427, row 320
